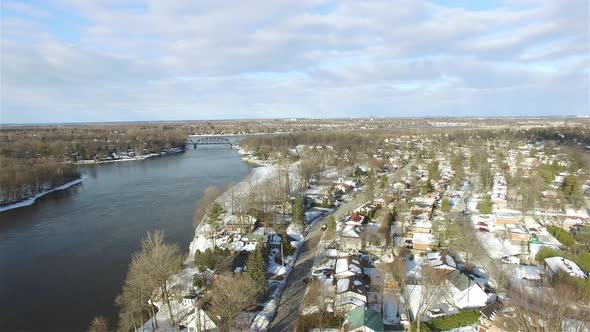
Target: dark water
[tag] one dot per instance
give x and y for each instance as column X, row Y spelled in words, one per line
column 63, row 259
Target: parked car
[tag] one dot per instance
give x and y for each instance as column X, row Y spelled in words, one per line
column 317, row 273
column 510, row 260
column 435, row 313
column 324, row 227
column 481, row 223
column 404, row 319
column 485, row 230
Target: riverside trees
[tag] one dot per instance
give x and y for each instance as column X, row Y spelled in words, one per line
column 232, row 294
column 21, row 179
column 36, row 158
column 147, row 279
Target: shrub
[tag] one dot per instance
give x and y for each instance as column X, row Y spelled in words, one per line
column 446, row 205
column 464, row 318
column 583, row 260
column 485, row 205
column 561, row 235
column 323, row 318
column 546, row 252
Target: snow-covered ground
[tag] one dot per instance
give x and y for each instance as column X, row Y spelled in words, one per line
column 390, row 309
column 31, row 200
column 496, row 247
column 123, row 158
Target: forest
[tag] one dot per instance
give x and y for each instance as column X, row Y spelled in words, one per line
column 33, row 159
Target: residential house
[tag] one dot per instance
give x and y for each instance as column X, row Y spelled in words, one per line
column 464, row 292
column 423, row 241
column 348, row 266
column 492, row 319
column 243, row 224
column 351, row 292
column 350, row 237
column 420, row 226
column 201, row 319
column 555, row 264
column 441, row 261
column 518, row 234
column 363, row 319
column 505, row 219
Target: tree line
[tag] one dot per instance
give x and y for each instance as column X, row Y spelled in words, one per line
column 33, row 159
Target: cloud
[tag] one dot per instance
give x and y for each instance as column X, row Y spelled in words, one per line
column 151, row 60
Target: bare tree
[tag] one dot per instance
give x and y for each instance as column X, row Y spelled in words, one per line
column 132, row 302
column 432, row 290
column 462, row 238
column 548, row 308
column 308, row 170
column 99, row 324
column 230, row 296
column 157, row 261
column 209, row 196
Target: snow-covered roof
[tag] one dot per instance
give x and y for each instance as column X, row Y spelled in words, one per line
column 351, row 284
column 351, row 231
column 422, row 224
column 441, row 261
column 423, row 238
column 556, row 264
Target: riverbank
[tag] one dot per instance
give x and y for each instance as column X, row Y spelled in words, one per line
column 31, row 200
column 127, row 158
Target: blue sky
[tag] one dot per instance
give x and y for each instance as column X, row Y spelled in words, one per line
column 125, row 60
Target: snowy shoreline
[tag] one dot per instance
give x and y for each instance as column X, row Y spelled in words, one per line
column 138, row 158
column 31, row 200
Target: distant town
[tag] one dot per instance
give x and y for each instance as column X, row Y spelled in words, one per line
column 481, row 228
column 355, row 225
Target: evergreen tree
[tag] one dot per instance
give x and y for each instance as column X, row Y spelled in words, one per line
column 370, row 187
column 427, row 186
column 445, row 205
column 298, row 211
column 433, row 171
column 214, row 212
column 331, row 227
column 257, row 265
column 288, row 249
column 572, row 189
column 484, row 206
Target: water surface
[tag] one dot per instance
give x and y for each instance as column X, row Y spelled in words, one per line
column 63, row 259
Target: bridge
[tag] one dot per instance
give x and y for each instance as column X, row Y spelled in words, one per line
column 208, row 141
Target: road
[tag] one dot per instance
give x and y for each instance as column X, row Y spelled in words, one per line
column 288, row 309
column 290, row 303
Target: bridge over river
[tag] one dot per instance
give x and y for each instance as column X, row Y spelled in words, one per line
column 210, row 140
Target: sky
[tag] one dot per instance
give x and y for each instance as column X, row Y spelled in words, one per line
column 135, row 60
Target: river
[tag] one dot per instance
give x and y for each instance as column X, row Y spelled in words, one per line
column 64, row 259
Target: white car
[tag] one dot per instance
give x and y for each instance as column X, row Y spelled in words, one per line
column 435, row 313
column 510, row 260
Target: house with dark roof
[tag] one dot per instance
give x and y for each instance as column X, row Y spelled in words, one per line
column 492, row 319
column 442, row 261
column 464, row 292
column 363, row 319
column 351, row 292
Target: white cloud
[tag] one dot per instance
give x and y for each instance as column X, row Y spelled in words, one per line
column 210, row 59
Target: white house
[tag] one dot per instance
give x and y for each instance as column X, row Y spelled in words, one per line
column 441, row 261
column 200, row 320
column 348, row 267
column 464, row 292
column 556, row 264
column 351, row 292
